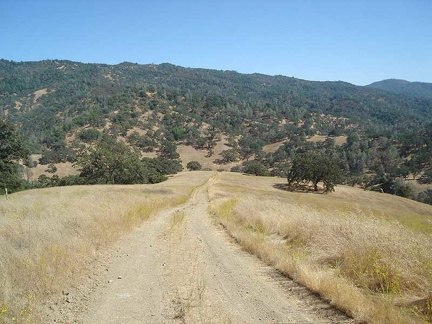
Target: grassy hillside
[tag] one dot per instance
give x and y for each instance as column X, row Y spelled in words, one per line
column 49, row 237
column 367, row 253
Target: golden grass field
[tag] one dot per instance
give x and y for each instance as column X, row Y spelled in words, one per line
column 48, row 237
column 369, row 254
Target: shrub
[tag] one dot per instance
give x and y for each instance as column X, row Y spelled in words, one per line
column 51, row 168
column 402, row 189
column 89, row 135
column 426, row 178
column 194, row 166
column 230, row 155
column 255, row 168
column 425, row 196
column 237, row 168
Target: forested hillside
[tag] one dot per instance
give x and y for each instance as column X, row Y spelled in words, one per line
column 413, row 89
column 62, row 107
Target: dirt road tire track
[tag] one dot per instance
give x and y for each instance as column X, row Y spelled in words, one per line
column 181, row 268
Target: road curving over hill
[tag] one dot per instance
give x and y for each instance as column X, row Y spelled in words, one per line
column 181, row 268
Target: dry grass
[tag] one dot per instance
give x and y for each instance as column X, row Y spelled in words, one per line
column 272, row 148
column 49, row 237
column 63, row 170
column 339, row 140
column 357, row 249
column 188, row 153
column 38, row 94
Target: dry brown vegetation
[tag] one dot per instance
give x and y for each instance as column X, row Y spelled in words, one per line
column 272, row 148
column 368, row 253
column 48, row 237
column 339, row 140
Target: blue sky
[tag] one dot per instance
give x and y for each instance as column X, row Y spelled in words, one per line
column 354, row 41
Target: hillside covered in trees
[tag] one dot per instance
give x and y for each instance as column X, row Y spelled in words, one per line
column 65, row 109
column 412, row 89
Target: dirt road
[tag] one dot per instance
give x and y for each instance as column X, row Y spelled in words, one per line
column 181, row 268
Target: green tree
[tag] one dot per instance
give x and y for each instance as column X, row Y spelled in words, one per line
column 425, row 197
column 229, row 155
column 237, row 168
column 112, row 162
column 52, row 168
column 168, row 150
column 194, row 166
column 178, row 133
column 88, row 135
column 426, row 177
column 255, row 168
column 164, row 166
column 311, row 167
column 401, row 188
column 11, row 150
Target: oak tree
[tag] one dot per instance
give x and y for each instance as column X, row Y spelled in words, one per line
column 315, row 168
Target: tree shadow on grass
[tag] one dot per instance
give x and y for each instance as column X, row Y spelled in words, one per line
column 299, row 188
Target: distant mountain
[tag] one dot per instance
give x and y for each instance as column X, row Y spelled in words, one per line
column 412, row 89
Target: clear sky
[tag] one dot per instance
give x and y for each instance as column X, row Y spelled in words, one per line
column 358, row 41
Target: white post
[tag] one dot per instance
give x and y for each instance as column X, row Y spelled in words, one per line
column 6, row 193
